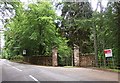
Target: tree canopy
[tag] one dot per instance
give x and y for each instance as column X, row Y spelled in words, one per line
column 34, row 30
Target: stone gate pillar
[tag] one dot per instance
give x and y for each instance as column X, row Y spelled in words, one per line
column 76, row 55
column 54, row 56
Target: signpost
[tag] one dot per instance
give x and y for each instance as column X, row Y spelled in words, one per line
column 108, row 52
column 108, row 56
column 24, row 52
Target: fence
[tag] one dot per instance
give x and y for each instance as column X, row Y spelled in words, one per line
column 108, row 62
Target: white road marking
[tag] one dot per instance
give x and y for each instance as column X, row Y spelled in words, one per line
column 17, row 69
column 8, row 64
column 34, row 78
column 13, row 67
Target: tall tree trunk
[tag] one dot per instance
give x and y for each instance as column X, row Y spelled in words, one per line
column 95, row 41
column 95, row 46
column 103, row 35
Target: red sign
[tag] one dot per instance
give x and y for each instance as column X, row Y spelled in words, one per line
column 108, row 53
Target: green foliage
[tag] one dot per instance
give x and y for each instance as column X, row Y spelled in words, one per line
column 75, row 26
column 34, row 30
column 5, row 54
column 105, row 24
column 17, row 58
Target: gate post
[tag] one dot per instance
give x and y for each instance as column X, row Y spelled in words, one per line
column 54, row 56
column 76, row 55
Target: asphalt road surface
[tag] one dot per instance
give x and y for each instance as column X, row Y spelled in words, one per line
column 10, row 71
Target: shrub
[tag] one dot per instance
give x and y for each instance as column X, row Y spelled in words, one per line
column 17, row 58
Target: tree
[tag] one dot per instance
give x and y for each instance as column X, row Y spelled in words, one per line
column 34, row 30
column 74, row 27
column 117, row 31
column 106, row 30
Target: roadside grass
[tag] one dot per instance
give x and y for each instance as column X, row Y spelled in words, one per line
column 72, row 67
column 107, row 69
column 19, row 61
column 116, row 70
column 98, row 68
column 69, row 67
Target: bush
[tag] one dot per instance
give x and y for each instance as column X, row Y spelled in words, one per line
column 64, row 55
column 17, row 58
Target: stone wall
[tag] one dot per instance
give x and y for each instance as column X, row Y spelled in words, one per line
column 87, row 60
column 82, row 60
column 39, row 60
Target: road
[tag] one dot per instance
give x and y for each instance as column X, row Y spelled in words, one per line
column 11, row 71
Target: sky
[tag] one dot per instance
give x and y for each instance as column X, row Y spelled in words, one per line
column 59, row 12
